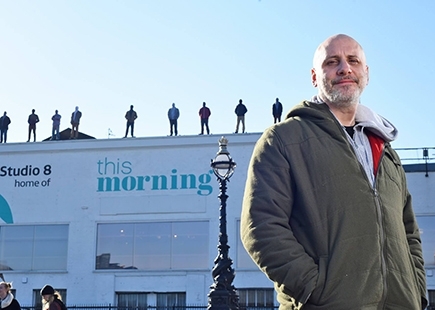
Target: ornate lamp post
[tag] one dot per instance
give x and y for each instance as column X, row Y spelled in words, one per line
column 223, row 294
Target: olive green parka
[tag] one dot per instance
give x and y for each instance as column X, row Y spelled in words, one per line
column 317, row 227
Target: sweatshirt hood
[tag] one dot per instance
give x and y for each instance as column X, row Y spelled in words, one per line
column 365, row 118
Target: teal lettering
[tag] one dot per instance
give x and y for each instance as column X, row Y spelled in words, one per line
column 174, row 179
column 140, row 180
column 163, row 182
column 126, row 165
column 152, row 182
column 184, row 181
column 125, row 183
column 108, row 182
column 204, row 188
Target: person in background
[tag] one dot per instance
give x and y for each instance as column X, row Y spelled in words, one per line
column 173, row 115
column 51, row 299
column 75, row 122
column 32, row 120
column 277, row 111
column 326, row 212
column 204, row 114
column 8, row 301
column 4, row 126
column 240, row 112
column 55, row 134
column 130, row 116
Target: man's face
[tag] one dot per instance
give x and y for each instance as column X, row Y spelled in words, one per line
column 340, row 71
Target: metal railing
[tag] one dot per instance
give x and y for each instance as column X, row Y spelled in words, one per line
column 416, row 155
column 112, row 307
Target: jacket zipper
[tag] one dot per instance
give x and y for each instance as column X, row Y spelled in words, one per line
column 378, row 208
column 379, row 212
column 381, row 233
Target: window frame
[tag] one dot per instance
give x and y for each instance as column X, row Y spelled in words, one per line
column 165, row 252
column 257, row 298
column 45, row 246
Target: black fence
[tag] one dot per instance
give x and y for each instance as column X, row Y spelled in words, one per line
column 111, row 307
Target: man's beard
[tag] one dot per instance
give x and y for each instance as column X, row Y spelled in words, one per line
column 345, row 96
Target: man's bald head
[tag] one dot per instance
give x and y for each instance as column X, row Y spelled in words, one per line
column 321, row 51
column 340, row 71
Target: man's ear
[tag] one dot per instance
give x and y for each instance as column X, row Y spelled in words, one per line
column 313, row 77
column 368, row 75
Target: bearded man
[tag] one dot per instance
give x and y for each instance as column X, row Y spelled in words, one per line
column 326, row 213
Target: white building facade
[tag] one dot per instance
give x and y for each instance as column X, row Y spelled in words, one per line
column 135, row 222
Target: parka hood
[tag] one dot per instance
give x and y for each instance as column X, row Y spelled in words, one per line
column 365, row 118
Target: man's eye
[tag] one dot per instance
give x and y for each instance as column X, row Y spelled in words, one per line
column 353, row 61
column 331, row 62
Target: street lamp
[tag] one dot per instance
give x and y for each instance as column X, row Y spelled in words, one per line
column 223, row 295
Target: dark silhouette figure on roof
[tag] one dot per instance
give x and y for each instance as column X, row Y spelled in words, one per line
column 4, row 126
column 277, row 111
column 32, row 120
column 204, row 114
column 55, row 134
column 240, row 112
column 130, row 116
column 75, row 122
column 173, row 115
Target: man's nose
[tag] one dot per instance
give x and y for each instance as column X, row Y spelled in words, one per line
column 344, row 68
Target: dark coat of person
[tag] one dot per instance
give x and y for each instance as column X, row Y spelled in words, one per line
column 277, row 109
column 75, row 119
column 240, row 109
column 10, row 303
column 4, row 122
column 131, row 116
column 204, row 112
column 33, row 119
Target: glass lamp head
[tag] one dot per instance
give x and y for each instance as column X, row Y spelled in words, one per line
column 223, row 165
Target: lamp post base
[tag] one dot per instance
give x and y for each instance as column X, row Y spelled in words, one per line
column 223, row 299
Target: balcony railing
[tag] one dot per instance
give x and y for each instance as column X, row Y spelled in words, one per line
column 416, row 155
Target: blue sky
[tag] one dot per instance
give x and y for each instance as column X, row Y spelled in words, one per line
column 104, row 56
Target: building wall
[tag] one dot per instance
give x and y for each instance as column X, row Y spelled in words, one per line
column 71, row 192
column 422, row 188
column 64, row 182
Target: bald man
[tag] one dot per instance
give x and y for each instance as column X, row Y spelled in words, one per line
column 326, row 211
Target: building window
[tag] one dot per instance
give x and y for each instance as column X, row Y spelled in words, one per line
column 132, row 300
column 256, row 298
column 153, row 246
column 37, row 298
column 173, row 301
column 427, row 232
column 431, row 305
column 244, row 261
column 158, row 301
column 33, row 247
